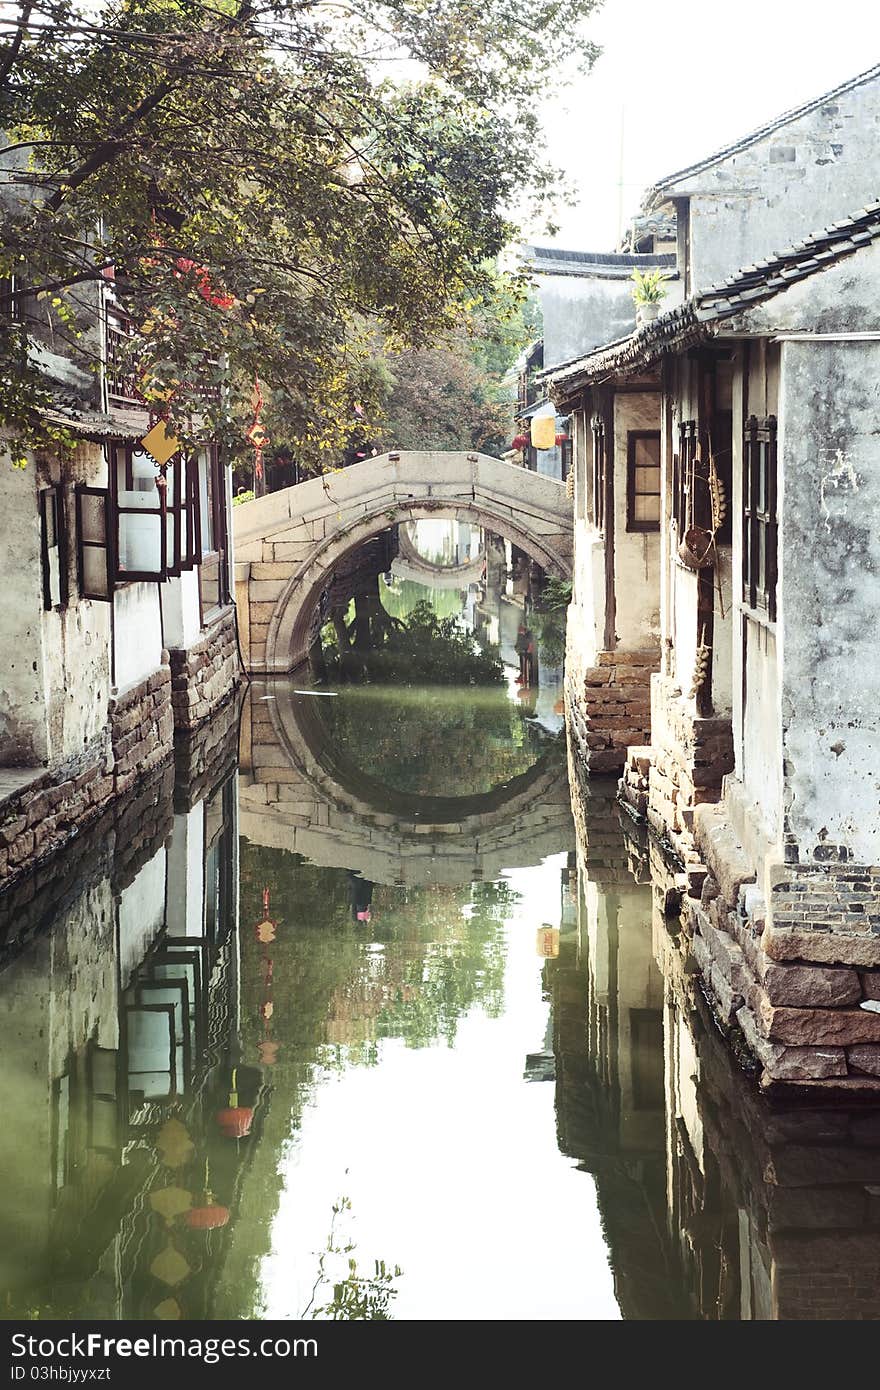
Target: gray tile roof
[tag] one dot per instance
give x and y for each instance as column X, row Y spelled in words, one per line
column 665, row 186
column 549, row 260
column 688, row 323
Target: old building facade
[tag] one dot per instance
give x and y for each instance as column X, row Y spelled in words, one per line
column 117, row 625
column 759, row 752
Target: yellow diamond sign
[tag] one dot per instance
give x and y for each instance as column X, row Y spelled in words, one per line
column 159, row 443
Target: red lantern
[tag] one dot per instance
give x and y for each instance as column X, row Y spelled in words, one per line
column 519, row 441
column 208, row 1217
column 561, row 439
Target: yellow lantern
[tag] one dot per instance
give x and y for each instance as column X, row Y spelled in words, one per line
column 544, row 429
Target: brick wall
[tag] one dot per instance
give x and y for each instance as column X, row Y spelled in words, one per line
column 610, row 708
column 690, row 757
column 58, row 804
column 204, row 675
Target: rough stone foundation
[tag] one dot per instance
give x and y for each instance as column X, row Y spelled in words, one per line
column 59, row 802
column 609, row 708
column 203, row 675
column 689, row 758
column 797, row 1181
column 792, row 984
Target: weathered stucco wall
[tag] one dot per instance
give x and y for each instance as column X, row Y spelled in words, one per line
column 829, row 562
column 23, row 734
column 798, row 179
column 636, row 553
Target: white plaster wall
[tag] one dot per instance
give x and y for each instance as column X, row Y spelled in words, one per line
column 829, row 564
column 141, row 914
column 186, row 874
column 181, row 615
column 636, row 553
column 586, row 614
column 23, row 732
column 805, row 175
column 138, row 633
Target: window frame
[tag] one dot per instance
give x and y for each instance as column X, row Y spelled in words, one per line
column 159, row 510
column 103, row 493
column 52, row 500
column 760, row 465
column 632, row 522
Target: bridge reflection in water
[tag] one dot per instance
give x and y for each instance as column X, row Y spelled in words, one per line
column 162, row 1048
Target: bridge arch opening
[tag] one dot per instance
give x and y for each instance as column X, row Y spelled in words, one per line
column 292, row 629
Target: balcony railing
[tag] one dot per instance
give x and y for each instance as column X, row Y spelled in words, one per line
column 122, row 383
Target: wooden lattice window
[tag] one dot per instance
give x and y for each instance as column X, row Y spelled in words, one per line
column 643, row 480
column 759, row 514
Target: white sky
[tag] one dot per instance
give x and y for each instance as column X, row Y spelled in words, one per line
column 689, row 77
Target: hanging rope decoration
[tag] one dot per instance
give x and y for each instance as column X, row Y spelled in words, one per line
column 256, row 432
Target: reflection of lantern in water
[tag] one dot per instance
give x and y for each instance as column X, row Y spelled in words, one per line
column 235, row 1121
column 211, row 1214
column 265, row 930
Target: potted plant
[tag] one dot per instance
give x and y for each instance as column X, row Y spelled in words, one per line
column 648, row 292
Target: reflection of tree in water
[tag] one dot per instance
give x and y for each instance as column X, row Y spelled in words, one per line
column 429, row 955
column 443, row 953
column 434, row 741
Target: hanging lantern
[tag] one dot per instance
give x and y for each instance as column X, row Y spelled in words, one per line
column 519, row 441
column 561, row 439
column 544, row 427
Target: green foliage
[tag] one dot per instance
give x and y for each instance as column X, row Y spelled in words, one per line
column 549, row 620
column 244, row 496
column 421, row 649
column 265, row 199
column 649, row 286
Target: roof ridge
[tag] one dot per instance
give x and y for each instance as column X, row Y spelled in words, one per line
column 663, row 184
column 742, row 291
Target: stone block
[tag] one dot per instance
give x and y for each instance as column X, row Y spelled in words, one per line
column 722, row 852
column 865, row 1057
column 808, row 986
column 790, row 1063
column 870, row 982
column 826, row 947
column 815, row 1027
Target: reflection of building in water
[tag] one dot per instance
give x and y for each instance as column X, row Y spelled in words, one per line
column 775, row 1210
column 119, row 1000
column 608, row 1002
column 717, row 1204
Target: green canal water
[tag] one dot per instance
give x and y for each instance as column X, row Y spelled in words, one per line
column 357, row 976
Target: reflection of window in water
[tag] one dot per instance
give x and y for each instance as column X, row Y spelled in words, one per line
column 646, row 1051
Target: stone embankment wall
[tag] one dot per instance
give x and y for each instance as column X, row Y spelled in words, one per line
column 689, row 759
column 609, row 708
column 188, row 687
column 203, row 675
column 790, row 979
column 789, row 1216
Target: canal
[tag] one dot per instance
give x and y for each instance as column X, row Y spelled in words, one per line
column 369, row 976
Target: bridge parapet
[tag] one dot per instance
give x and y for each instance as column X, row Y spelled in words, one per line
column 287, row 542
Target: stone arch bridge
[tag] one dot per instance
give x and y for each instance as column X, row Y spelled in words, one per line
column 288, row 543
